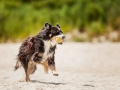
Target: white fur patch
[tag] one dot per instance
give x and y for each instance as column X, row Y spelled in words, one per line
column 47, row 47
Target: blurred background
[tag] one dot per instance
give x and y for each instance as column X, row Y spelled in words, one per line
column 80, row 20
column 85, row 66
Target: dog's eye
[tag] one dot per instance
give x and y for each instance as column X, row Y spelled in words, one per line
column 57, row 31
column 61, row 32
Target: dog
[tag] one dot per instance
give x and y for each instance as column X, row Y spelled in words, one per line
column 40, row 49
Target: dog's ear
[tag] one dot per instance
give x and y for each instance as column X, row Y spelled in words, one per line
column 57, row 25
column 47, row 25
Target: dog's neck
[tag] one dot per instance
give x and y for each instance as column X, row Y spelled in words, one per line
column 47, row 46
column 49, row 43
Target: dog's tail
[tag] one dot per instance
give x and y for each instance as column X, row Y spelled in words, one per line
column 18, row 64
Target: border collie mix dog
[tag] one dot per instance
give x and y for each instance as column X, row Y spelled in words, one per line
column 40, row 49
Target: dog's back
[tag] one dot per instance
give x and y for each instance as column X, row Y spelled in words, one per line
column 25, row 52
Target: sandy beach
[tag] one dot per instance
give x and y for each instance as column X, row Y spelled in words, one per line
column 81, row 66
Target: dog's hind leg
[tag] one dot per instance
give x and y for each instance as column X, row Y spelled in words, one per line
column 26, row 68
column 27, row 75
column 31, row 67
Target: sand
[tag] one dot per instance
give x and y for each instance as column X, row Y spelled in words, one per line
column 81, row 66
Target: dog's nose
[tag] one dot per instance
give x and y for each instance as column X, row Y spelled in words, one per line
column 63, row 37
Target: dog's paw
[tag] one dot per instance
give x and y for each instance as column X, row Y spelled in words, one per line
column 46, row 72
column 23, row 80
column 28, row 80
column 55, row 74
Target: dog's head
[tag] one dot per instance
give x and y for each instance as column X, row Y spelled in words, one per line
column 54, row 33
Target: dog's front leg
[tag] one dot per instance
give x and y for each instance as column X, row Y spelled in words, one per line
column 45, row 65
column 51, row 65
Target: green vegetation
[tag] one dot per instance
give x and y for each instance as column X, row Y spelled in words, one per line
column 22, row 18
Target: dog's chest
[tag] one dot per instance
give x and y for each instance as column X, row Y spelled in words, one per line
column 49, row 49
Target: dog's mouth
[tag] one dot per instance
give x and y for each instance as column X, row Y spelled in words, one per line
column 60, row 40
column 60, row 43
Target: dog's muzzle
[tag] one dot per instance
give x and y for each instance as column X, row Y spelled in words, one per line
column 60, row 38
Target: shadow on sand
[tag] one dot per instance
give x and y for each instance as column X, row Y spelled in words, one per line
column 88, row 85
column 35, row 81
